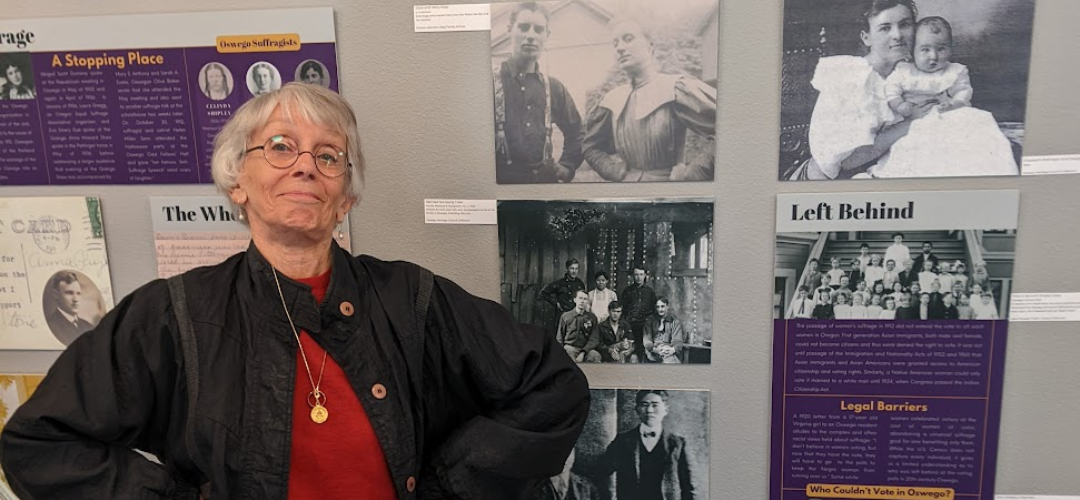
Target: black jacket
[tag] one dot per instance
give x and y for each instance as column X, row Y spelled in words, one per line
column 479, row 407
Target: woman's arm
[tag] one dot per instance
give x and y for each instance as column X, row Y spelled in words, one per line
column 523, row 401
column 695, row 107
column 884, row 139
column 111, row 391
column 599, row 145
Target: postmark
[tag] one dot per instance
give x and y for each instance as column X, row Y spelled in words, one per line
column 51, row 235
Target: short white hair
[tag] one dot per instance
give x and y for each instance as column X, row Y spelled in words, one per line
column 303, row 101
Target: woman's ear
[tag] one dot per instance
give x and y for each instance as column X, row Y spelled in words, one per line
column 346, row 205
column 238, row 195
column 865, row 37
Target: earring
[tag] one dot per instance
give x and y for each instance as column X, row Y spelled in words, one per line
column 241, row 214
column 340, row 233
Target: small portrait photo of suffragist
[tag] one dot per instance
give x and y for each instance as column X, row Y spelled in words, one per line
column 875, row 89
column 215, row 81
column 612, row 281
column 16, row 76
column 619, row 91
column 314, row 72
column 72, row 304
column 263, row 77
column 638, row 444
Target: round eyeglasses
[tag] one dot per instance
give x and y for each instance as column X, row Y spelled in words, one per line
column 281, row 151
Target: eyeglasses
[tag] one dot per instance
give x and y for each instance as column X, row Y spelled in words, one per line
column 281, row 151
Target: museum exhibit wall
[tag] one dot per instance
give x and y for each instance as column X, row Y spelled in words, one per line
column 424, row 104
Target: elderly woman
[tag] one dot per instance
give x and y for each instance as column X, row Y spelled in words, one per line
column 293, row 370
column 852, row 125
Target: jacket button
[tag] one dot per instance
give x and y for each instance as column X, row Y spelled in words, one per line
column 410, row 485
column 379, row 391
column 346, row 309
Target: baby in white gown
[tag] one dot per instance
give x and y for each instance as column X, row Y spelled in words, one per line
column 954, row 139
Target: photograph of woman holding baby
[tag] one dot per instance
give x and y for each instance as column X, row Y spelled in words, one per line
column 888, row 88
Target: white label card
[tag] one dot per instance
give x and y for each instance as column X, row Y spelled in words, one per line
column 1044, row 307
column 463, row 17
column 460, row 212
column 1051, row 165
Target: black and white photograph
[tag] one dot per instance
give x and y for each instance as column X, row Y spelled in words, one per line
column 638, row 444
column 894, row 275
column 72, row 304
column 314, row 72
column 215, row 81
column 875, row 89
column 263, row 77
column 16, row 77
column 615, row 281
column 604, row 90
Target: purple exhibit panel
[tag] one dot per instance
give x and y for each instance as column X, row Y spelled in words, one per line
column 886, row 409
column 138, row 116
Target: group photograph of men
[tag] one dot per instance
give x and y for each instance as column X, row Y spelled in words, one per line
column 604, row 90
column 613, row 282
column 643, row 444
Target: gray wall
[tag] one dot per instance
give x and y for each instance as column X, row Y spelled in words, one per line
column 425, row 112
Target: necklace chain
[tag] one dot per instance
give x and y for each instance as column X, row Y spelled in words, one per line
column 319, row 396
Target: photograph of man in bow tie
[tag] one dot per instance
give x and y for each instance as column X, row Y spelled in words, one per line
column 649, row 461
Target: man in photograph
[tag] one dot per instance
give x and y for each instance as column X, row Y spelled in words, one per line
column 560, row 293
column 638, row 301
column 664, row 336
column 577, row 328
column 927, row 254
column 612, row 339
column 813, row 276
column 649, row 461
column 528, row 102
column 637, row 133
column 568, row 485
column 64, row 320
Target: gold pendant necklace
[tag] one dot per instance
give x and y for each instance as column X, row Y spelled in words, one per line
column 315, row 398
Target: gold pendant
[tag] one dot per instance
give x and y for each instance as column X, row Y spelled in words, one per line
column 319, row 414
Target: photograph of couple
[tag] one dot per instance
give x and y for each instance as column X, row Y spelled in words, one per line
column 604, row 90
column 903, row 88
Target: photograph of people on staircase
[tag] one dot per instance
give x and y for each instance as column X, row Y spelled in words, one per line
column 887, row 275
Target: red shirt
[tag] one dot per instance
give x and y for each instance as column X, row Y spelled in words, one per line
column 339, row 458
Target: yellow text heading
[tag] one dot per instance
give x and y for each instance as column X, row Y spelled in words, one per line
column 865, row 492
column 288, row 42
